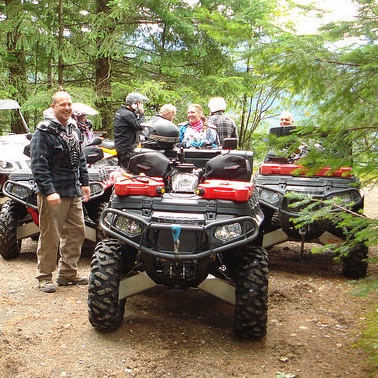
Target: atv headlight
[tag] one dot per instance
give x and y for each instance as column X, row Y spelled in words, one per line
column 271, row 197
column 346, row 197
column 128, row 226
column 4, row 164
column 18, row 191
column 184, row 182
column 228, row 232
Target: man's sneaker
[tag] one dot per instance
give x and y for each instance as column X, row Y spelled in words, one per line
column 47, row 286
column 78, row 280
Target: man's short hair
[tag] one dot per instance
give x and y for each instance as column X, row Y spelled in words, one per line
column 58, row 94
column 167, row 109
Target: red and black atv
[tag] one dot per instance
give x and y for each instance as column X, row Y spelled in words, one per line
column 280, row 175
column 183, row 219
column 19, row 214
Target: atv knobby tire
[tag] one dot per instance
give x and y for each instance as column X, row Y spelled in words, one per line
column 251, row 304
column 105, row 309
column 355, row 264
column 11, row 214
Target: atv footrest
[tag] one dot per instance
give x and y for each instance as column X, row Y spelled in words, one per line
column 219, row 288
column 132, row 285
column 27, row 230
column 274, row 237
column 140, row 282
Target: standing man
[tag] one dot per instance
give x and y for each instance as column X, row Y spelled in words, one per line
column 60, row 172
column 226, row 127
column 127, row 125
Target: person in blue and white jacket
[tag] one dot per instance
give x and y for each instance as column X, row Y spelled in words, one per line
column 197, row 132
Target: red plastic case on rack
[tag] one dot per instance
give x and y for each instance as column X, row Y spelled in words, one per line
column 294, row 169
column 239, row 191
column 143, row 186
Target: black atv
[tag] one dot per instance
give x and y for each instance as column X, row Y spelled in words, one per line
column 280, row 175
column 170, row 222
column 19, row 214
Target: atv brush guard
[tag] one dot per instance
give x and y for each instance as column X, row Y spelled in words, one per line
column 222, row 235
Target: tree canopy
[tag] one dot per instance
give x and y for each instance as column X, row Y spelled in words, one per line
column 188, row 51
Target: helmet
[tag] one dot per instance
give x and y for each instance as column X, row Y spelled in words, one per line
column 163, row 134
column 78, row 114
column 216, row 104
column 135, row 97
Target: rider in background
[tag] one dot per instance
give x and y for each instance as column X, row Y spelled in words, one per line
column 286, row 119
column 127, row 126
column 226, row 127
column 85, row 125
column 167, row 111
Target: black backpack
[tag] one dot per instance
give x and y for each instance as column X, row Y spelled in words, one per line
column 228, row 167
column 153, row 164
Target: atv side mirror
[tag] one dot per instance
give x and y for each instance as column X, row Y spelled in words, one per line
column 95, row 142
column 229, row 143
column 27, row 150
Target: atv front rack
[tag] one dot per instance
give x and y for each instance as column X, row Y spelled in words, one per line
column 21, row 192
column 273, row 197
column 25, row 194
column 111, row 217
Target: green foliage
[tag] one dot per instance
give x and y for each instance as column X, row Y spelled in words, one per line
column 183, row 52
column 369, row 339
column 194, row 49
column 338, row 212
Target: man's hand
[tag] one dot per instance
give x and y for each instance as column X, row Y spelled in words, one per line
column 140, row 107
column 53, row 199
column 86, row 190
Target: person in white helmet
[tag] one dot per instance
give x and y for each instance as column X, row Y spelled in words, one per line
column 127, row 126
column 85, row 125
column 226, row 127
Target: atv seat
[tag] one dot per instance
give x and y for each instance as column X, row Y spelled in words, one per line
column 281, row 130
column 275, row 156
column 199, row 157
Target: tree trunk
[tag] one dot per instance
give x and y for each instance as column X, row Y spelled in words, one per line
column 16, row 58
column 103, row 92
column 103, row 79
column 60, row 38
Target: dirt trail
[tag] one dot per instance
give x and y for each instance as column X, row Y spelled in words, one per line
column 314, row 321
